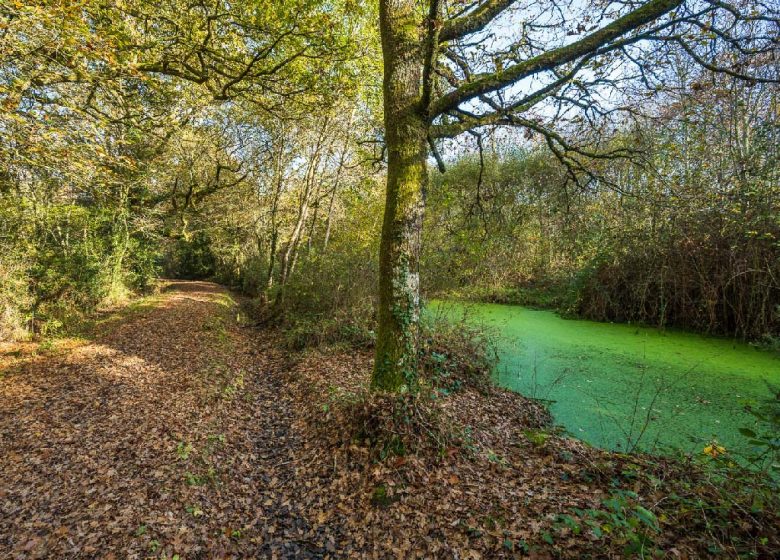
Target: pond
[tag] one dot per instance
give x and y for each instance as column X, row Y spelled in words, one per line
column 623, row 387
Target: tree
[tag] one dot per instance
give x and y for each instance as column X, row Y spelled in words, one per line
column 121, row 120
column 556, row 68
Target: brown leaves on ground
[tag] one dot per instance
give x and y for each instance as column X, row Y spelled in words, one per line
column 495, row 487
column 178, row 432
column 484, row 493
column 169, row 434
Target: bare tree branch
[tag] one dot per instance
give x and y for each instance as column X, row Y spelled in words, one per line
column 474, row 21
column 554, row 58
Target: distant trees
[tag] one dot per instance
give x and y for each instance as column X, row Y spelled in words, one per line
column 701, row 247
column 550, row 68
column 688, row 235
column 119, row 121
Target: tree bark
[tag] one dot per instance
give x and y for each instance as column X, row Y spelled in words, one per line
column 292, row 246
column 279, row 185
column 406, row 130
column 290, row 254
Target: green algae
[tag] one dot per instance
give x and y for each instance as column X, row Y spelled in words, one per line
column 625, row 387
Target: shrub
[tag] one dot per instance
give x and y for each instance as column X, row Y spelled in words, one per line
column 15, row 298
column 330, row 299
column 60, row 262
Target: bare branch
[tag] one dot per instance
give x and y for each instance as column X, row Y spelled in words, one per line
column 554, row 58
column 474, row 21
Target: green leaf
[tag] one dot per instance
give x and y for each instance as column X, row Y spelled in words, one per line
column 747, row 432
column 647, row 517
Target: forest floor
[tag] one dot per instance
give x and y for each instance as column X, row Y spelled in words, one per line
column 177, row 431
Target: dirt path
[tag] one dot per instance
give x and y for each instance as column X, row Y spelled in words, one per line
column 168, row 434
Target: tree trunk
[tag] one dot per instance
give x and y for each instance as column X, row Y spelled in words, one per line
column 406, row 131
column 330, row 215
column 279, row 185
column 292, row 246
column 333, row 191
column 315, row 215
column 290, row 254
column 340, row 168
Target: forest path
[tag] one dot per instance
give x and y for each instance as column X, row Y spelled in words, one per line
column 169, row 433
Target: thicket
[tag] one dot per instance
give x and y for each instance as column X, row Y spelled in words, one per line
column 332, row 296
column 686, row 235
column 114, row 146
column 60, row 262
column 69, row 241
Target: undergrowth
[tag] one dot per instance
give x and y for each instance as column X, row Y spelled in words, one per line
column 454, row 354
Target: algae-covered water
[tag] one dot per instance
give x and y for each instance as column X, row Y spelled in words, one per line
column 618, row 386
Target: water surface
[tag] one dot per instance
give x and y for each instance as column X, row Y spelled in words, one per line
column 617, row 385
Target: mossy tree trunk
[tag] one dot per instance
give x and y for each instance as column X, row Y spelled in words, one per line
column 406, row 131
column 412, row 39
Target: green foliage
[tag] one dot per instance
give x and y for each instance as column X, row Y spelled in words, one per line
column 217, row 328
column 621, row 518
column 234, row 387
column 190, row 258
column 537, row 437
column 63, row 261
column 487, row 230
column 143, row 267
column 380, row 497
column 194, row 511
column 760, row 465
column 687, row 237
column 15, row 298
column 194, row 479
column 330, row 298
column 183, row 450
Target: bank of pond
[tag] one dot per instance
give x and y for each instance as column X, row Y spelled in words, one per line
column 624, row 387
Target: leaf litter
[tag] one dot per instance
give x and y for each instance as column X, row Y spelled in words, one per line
column 179, row 431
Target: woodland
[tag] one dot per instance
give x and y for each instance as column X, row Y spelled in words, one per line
column 226, row 226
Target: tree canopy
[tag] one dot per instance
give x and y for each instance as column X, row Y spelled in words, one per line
column 252, row 128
